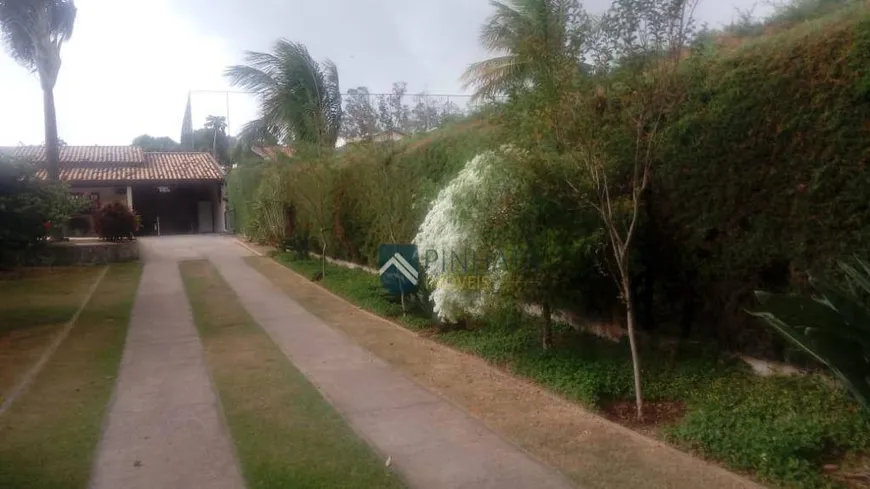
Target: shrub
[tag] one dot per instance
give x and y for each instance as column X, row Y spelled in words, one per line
column 374, row 193
column 115, row 222
column 29, row 206
column 834, row 328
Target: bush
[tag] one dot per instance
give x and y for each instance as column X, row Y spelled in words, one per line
column 115, row 222
column 29, row 206
column 368, row 193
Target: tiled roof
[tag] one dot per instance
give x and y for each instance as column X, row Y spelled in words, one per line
column 120, row 163
column 80, row 154
column 272, row 152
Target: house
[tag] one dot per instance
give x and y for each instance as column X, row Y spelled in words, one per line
column 271, row 153
column 378, row 137
column 173, row 193
column 390, row 135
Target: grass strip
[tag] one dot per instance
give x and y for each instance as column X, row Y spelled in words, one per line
column 362, row 288
column 285, row 433
column 35, row 305
column 785, row 430
column 50, row 435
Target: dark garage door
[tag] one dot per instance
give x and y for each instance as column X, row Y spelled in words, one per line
column 171, row 208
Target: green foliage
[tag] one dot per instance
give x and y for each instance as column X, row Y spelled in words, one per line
column 783, row 428
column 763, row 171
column 29, row 206
column 362, row 288
column 156, row 144
column 535, row 39
column 242, row 182
column 33, row 30
column 299, row 98
column 115, row 222
column 834, row 328
column 366, row 195
column 211, row 138
column 553, row 249
column 804, row 10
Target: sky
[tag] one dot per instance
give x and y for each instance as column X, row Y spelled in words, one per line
column 130, row 64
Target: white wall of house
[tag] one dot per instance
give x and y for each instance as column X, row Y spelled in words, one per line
column 221, row 215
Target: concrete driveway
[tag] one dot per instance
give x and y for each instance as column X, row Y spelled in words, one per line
column 164, row 428
column 189, row 247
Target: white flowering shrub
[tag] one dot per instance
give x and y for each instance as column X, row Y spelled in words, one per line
column 449, row 227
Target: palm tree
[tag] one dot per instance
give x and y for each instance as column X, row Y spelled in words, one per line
column 218, row 125
column 299, row 98
column 33, row 32
column 533, row 39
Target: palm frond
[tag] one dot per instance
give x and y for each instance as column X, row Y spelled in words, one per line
column 531, row 38
column 249, row 78
column 300, row 99
column 33, row 30
column 493, row 76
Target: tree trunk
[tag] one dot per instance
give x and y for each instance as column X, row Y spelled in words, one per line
column 323, row 253
column 635, row 359
column 546, row 326
column 52, row 150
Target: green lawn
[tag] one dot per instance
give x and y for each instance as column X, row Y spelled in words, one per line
column 35, row 304
column 362, row 288
column 50, row 434
column 286, row 434
column 782, row 429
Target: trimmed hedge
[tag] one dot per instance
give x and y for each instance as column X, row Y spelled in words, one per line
column 763, row 174
column 378, row 193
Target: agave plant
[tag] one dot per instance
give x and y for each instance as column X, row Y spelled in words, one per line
column 833, row 327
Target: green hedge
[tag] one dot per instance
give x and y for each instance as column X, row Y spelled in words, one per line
column 763, row 174
column 377, row 193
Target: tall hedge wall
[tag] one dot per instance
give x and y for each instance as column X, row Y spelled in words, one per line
column 764, row 172
column 762, row 176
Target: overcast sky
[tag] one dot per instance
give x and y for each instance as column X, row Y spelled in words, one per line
column 130, row 63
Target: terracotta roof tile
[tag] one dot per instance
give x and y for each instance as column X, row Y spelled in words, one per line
column 80, row 154
column 272, row 152
column 123, row 163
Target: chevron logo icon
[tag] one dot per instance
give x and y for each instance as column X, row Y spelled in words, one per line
column 399, row 268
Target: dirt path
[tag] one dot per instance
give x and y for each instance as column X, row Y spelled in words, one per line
column 592, row 451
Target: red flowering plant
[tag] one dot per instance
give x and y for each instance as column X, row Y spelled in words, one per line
column 116, row 222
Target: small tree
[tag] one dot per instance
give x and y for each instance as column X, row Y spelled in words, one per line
column 360, row 118
column 639, row 46
column 393, row 114
column 544, row 243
